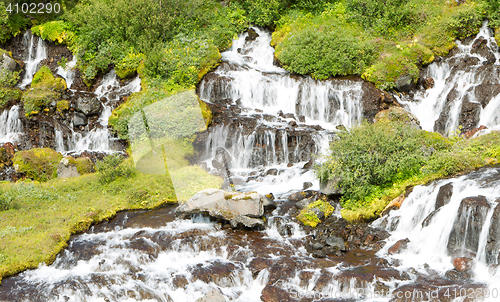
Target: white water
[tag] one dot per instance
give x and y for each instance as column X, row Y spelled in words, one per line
column 68, row 73
column 99, row 138
column 36, row 53
column 429, row 244
column 261, row 90
column 11, row 127
column 429, row 104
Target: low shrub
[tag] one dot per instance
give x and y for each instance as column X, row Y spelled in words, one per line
column 8, row 96
column 113, row 167
column 39, row 164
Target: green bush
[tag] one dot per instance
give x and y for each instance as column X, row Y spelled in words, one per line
column 113, row 167
column 44, row 79
column 59, row 32
column 8, row 78
column 127, row 66
column 36, row 99
column 9, row 95
column 38, row 164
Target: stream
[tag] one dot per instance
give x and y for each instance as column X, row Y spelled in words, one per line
column 268, row 129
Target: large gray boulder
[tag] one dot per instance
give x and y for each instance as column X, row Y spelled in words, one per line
column 66, row 169
column 8, row 63
column 88, row 105
column 237, row 208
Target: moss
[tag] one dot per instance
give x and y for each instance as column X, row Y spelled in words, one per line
column 323, row 206
column 127, row 66
column 62, row 105
column 38, row 164
column 497, row 35
column 308, row 218
column 206, row 112
column 389, row 68
column 83, row 164
column 44, row 79
column 36, row 99
column 8, row 96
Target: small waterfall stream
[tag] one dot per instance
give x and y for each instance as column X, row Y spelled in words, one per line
column 11, row 127
column 37, row 52
column 466, row 89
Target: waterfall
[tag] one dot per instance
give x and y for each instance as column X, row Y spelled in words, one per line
column 11, row 127
column 36, row 53
column 68, row 72
column 440, row 228
column 464, row 87
column 99, row 138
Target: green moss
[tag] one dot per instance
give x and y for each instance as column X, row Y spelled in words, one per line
column 44, row 79
column 83, row 164
column 62, row 105
column 38, row 164
column 9, row 96
column 308, row 218
column 36, row 99
column 497, row 35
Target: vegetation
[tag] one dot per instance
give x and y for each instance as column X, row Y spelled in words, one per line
column 380, row 40
column 374, row 163
column 37, row 164
column 309, row 218
column 45, row 89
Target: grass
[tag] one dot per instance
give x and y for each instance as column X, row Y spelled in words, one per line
column 44, row 215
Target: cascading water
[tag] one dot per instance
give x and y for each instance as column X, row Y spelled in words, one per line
column 465, row 91
column 11, row 127
column 36, row 53
column 68, row 72
column 99, row 138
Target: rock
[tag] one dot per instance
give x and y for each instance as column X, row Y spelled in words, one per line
column 297, row 196
column 221, row 273
column 393, row 205
column 397, row 114
column 336, row 243
column 272, row 293
column 225, row 205
column 65, row 169
column 318, row 213
column 463, row 264
column 404, row 83
column 493, row 245
column 319, row 254
column 222, row 159
column 471, row 133
column 428, row 83
column 269, row 204
column 468, row 224
column 399, row 246
column 9, row 63
column 215, row 295
column 444, row 195
column 289, row 115
column 455, row 275
column 329, row 187
column 79, row 119
column 180, row 281
column 308, row 166
column 246, row 222
column 306, row 185
column 88, row 105
column 252, row 35
column 301, row 118
column 429, row 217
column 272, row 171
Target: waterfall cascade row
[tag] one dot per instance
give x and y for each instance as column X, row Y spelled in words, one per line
column 466, row 89
column 11, row 127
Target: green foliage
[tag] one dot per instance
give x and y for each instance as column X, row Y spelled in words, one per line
column 38, row 164
column 44, row 79
column 113, row 167
column 309, row 218
column 62, row 105
column 7, row 78
column 56, row 31
column 8, row 96
column 127, row 66
column 36, row 99
column 264, row 12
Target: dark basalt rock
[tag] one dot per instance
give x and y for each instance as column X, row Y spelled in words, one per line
column 88, row 105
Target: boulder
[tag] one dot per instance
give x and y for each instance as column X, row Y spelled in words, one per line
column 222, row 159
column 329, row 187
column 393, row 205
column 336, row 243
column 404, row 83
column 399, row 246
column 9, row 63
column 463, row 264
column 246, row 222
column 444, row 195
column 66, row 169
column 468, row 224
column 215, row 295
column 79, row 119
column 428, row 83
column 88, row 105
column 229, row 206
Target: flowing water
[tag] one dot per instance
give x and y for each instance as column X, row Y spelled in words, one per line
column 154, row 256
column 37, row 52
column 11, row 127
column 458, row 80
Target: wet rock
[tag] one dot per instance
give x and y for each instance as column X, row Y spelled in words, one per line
column 215, row 295
column 9, row 64
column 306, row 185
column 272, row 171
column 493, row 244
column 252, row 35
column 429, row 217
column 222, row 159
column 258, row 264
column 455, row 275
column 221, row 273
column 463, row 264
column 79, row 119
column 301, row 118
column 373, row 101
column 180, row 281
column 382, row 289
column 469, row 114
column 246, row 222
column 318, row 213
column 269, row 204
column 393, row 205
column 66, row 169
column 404, row 83
column 444, row 195
column 397, row 114
column 289, row 115
column 88, row 105
column 272, row 293
column 428, row 83
column 308, row 166
column 298, row 196
column 336, row 243
column 468, row 224
column 399, row 246
column 480, row 47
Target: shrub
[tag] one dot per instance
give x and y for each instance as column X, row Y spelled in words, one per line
column 127, row 66
column 36, row 99
column 8, row 96
column 38, row 164
column 113, row 167
column 56, row 31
